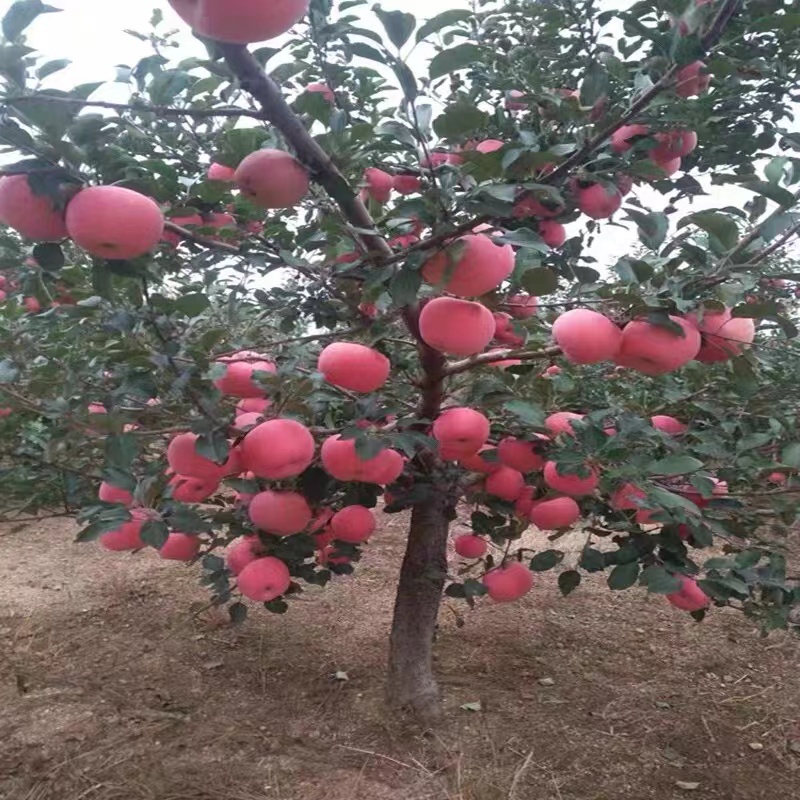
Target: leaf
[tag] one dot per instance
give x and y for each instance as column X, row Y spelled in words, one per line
column 51, row 67
column 155, row 533
column 8, row 371
column 474, row 706
column 569, row 581
column 237, row 613
column 776, row 193
column 404, row 287
column 632, row 270
column 399, row 25
column 652, row 227
column 659, row 581
column 546, row 560
column 527, row 412
column 540, row 281
column 192, row 304
column 718, row 225
column 21, row 14
column 443, row 20
column 456, row 591
column 49, row 256
column 454, row 59
column 592, row 560
column 594, row 84
column 790, row 455
column 213, row 446
column 774, row 170
column 278, row 606
column 364, row 50
column 459, row 119
column 674, row 465
column 623, row 576
column 524, row 237
column 121, row 450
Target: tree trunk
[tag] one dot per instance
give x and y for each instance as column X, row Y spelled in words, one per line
column 411, row 684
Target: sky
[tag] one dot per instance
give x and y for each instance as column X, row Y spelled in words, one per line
column 91, row 34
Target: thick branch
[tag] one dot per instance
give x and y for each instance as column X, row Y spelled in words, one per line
column 777, row 244
column 501, row 354
column 161, row 111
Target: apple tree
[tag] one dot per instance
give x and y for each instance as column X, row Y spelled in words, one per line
column 347, row 263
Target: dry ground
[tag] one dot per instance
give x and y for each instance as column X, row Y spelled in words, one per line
column 112, row 689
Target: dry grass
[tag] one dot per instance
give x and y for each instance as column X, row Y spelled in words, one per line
column 112, row 690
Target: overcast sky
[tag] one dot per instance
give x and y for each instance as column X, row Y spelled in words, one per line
column 91, row 34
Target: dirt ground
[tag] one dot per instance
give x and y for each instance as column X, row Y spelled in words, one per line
column 111, row 688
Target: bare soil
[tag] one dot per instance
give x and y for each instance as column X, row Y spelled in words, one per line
column 112, row 688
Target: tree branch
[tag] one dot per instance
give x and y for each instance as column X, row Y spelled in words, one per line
column 501, row 354
column 161, row 111
column 204, row 240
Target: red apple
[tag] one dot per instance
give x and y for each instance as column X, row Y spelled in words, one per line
column 723, row 335
column 264, row 579
column 407, row 184
column 460, row 432
column 673, row 144
column 277, row 448
column 475, row 462
column 690, row 597
column 186, row 489
column 561, row 422
column 586, row 337
column 508, row 582
column 599, row 200
column 238, row 378
column 621, row 138
column 242, row 552
column 34, row 216
column 457, row 327
column 655, row 350
column 184, row 459
column 281, row 513
column 505, row 483
column 691, row 80
column 340, row 459
column 521, row 455
column 324, row 90
column 553, row 233
column 109, row 493
column 180, row 547
column 568, row 482
column 128, row 535
column 272, row 179
column 219, row 172
column 667, row 424
column 522, row 306
column 354, row 366
column 469, row 546
column 555, row 513
column 378, row 184
column 353, row 524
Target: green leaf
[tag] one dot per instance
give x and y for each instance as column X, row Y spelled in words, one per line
column 277, row 606
column 192, row 304
column 456, row 591
column 459, row 57
column 237, row 612
column 594, row 84
column 569, row 581
column 652, row 227
column 443, row 20
column 49, row 256
column 8, row 371
column 540, row 281
column 52, row 67
column 527, row 412
column 674, row 465
column 592, row 560
column 659, row 581
column 399, row 25
column 364, row 50
column 623, row 576
column 213, row 446
column 776, row 193
column 21, row 14
column 546, row 560
column 774, row 170
column 404, row 287
column 790, row 455
column 155, row 533
column 524, row 237
column 718, row 225
column 632, row 270
column 459, row 119
column 121, row 450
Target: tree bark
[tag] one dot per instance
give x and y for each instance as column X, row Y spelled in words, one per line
column 411, row 683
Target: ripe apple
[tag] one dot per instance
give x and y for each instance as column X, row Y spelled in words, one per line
column 253, row 405
column 513, row 101
column 242, row 552
column 551, row 371
column 667, row 424
column 690, row 597
column 673, row 144
column 324, row 90
column 457, row 327
column 569, row 483
column 471, row 266
column 599, row 200
column 621, row 138
column 281, row 513
column 184, row 459
column 407, row 184
column 353, row 524
column 488, row 146
column 378, row 184
column 525, row 501
column 625, row 498
column 553, row 233
column 552, row 514
column 544, row 206
column 277, row 448
column 354, row 366
column 778, row 478
column 272, row 179
column 469, row 546
column 264, row 579
column 32, row 215
column 508, row 582
column 505, row 483
column 521, row 306
column 109, row 493
column 186, row 489
column 669, row 167
column 561, row 422
column 240, row 21
column 503, row 332
column 586, row 336
column 340, row 459
column 219, row 172
column 460, row 432
column 476, row 462
column 180, row 547
column 114, row 222
column 723, row 335
column 128, row 535
column 521, row 455
column 692, row 79
column 32, row 305
column 655, row 350
column 237, row 380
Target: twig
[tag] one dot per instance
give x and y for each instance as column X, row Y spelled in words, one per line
column 455, row 367
column 204, row 240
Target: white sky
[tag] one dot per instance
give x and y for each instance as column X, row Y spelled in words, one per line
column 90, row 33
